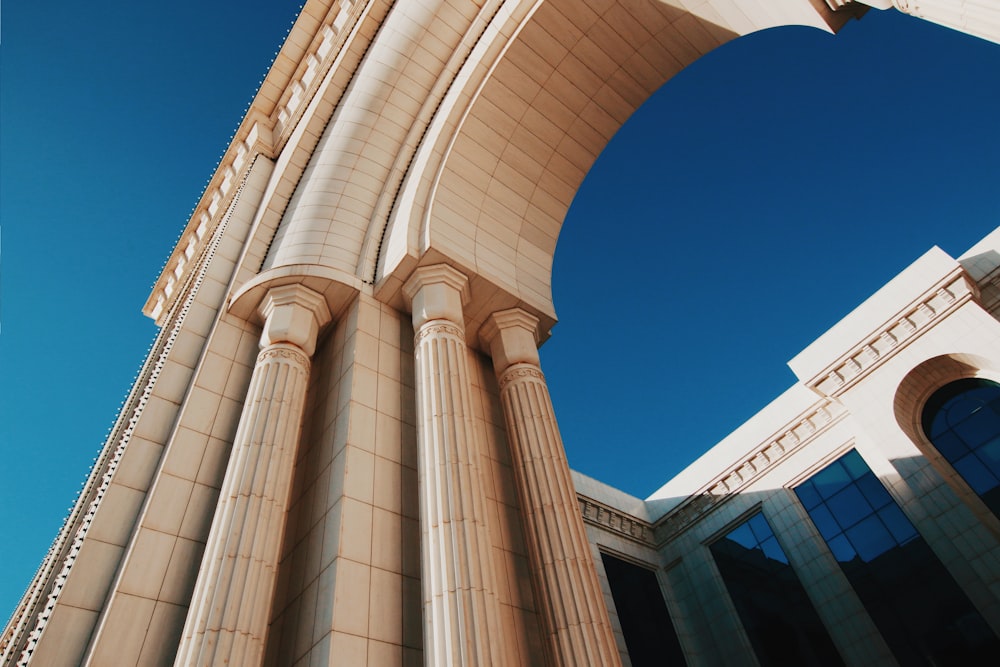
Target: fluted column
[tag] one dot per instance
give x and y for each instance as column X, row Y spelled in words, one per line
column 576, row 624
column 462, row 623
column 228, row 618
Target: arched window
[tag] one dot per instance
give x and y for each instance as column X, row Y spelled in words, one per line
column 962, row 420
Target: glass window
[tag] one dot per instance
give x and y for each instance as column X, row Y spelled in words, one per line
column 779, row 619
column 649, row 633
column 962, row 420
column 923, row 615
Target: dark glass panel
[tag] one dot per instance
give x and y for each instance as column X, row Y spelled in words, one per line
column 958, row 408
column 947, row 405
column 842, row 549
column 830, row 480
column 776, row 613
column 743, row 536
column 992, row 500
column 855, row 465
column 923, row 615
column 873, row 491
column 950, row 445
column 761, row 530
column 989, row 453
column 897, row 523
column 978, row 427
column 870, row 538
column 968, row 411
column 773, row 551
column 808, row 495
column 975, row 474
column 824, row 521
column 848, row 506
column 649, row 633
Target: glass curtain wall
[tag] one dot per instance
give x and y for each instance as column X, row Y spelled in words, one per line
column 649, row 633
column 962, row 420
column 923, row 615
column 781, row 622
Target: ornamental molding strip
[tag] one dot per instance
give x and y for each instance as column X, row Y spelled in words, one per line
column 886, row 341
column 615, row 521
column 32, row 611
column 748, row 469
column 519, row 371
column 313, row 66
column 439, row 327
column 284, row 351
column 266, row 128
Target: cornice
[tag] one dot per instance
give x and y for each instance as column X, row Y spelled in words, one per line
column 886, row 341
column 749, row 468
column 34, row 610
column 311, row 47
column 615, row 521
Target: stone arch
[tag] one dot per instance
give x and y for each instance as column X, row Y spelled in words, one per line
column 911, row 397
column 499, row 172
column 926, row 378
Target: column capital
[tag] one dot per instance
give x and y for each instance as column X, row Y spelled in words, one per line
column 437, row 292
column 293, row 314
column 511, row 336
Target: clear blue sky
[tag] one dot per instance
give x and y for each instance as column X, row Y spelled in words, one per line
column 759, row 196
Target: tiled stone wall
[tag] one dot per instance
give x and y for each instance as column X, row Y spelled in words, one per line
column 348, row 586
column 349, row 580
column 878, row 415
column 517, row 605
column 153, row 520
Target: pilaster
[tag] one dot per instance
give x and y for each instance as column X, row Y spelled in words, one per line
column 577, row 627
column 228, row 617
column 462, row 623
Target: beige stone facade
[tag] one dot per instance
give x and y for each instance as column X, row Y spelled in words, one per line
column 341, row 449
column 861, row 387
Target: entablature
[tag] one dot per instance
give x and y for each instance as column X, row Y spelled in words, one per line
column 310, row 49
column 618, row 522
column 748, row 468
column 911, row 304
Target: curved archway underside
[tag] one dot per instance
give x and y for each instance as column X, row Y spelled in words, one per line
column 561, row 90
column 466, row 131
column 431, row 131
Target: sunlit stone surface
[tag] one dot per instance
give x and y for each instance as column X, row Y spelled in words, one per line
column 341, row 449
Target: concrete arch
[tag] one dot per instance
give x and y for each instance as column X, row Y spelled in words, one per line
column 926, row 378
column 370, row 120
column 441, row 132
column 461, row 133
column 373, row 111
column 908, row 406
column 510, row 147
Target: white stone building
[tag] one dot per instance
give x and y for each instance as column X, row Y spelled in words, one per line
column 865, row 392
column 341, row 449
